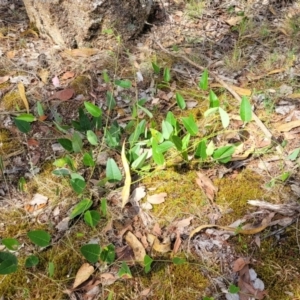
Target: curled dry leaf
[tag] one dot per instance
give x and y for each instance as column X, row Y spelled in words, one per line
column 63, row 95
column 136, row 246
column 288, row 126
column 157, row 198
column 157, row 245
column 127, row 183
column 177, row 243
column 21, row 89
column 83, row 274
column 240, row 263
column 67, row 75
column 82, row 52
column 3, row 79
column 206, row 185
column 108, row 278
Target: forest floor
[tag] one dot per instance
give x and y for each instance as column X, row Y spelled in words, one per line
column 200, row 202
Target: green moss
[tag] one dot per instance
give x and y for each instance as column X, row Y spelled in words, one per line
column 8, row 143
column 233, row 194
column 166, row 281
column 183, row 196
column 81, row 85
column 12, row 100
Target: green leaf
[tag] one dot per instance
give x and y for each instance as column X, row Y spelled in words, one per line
column 201, row 150
column 92, row 138
column 294, row 154
column 66, row 144
column 147, row 263
column 178, row 261
column 210, row 111
column 245, row 110
column 39, row 237
column 223, row 154
column 224, row 117
column 76, row 142
column 164, row 147
column 110, row 100
column 210, row 148
column 171, row 119
column 180, row 101
column 156, row 68
column 78, row 185
column 108, row 254
column 105, row 77
column 8, row 263
column 203, row 82
column 103, row 207
column 157, row 156
column 156, row 136
column 213, row 100
column 11, row 244
column 167, row 75
column 124, row 271
column 61, row 172
column 139, row 162
column 81, row 207
column 177, row 142
column 93, row 109
column 88, row 160
column 123, row 83
column 185, row 141
column 190, row 125
column 92, row 217
column 26, row 117
column 91, row 252
column 146, row 111
column 167, row 129
column 233, row 289
column 51, row 269
column 84, row 122
column 23, row 126
column 40, row 109
column 113, row 172
column 31, row 261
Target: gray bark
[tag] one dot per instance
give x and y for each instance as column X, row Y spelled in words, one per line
column 79, row 23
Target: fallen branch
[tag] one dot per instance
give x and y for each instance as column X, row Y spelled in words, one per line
column 259, row 123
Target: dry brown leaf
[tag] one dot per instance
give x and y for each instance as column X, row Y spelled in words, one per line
column 82, row 52
column 3, row 79
column 240, row 263
column 276, row 71
column 83, row 274
column 288, row 126
column 233, row 21
column 293, row 96
column 145, row 292
column 67, row 75
column 21, row 89
column 157, row 198
column 63, row 95
column 126, row 188
column 11, row 54
column 157, row 245
column 136, row 246
column 239, row 90
column 177, row 243
column 206, row 185
column 182, row 223
column 44, row 75
column 156, row 230
column 108, row 278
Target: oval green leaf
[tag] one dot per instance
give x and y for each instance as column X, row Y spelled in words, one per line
column 190, row 125
column 8, row 263
column 78, row 185
column 92, row 138
column 223, row 154
column 39, row 237
column 31, row 261
column 11, row 244
column 203, row 82
column 93, row 109
column 26, row 117
column 113, row 172
column 180, row 101
column 91, row 252
column 23, row 126
column 88, row 160
column 224, row 117
column 123, row 83
column 245, row 110
column 66, row 144
column 81, row 207
column 92, row 217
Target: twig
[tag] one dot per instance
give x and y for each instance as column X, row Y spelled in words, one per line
column 259, row 123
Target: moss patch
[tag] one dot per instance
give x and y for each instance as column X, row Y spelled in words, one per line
column 12, row 100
